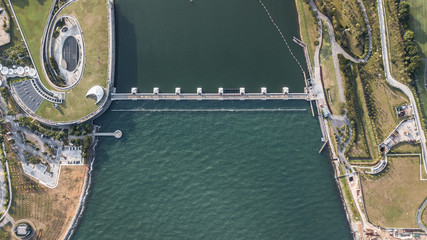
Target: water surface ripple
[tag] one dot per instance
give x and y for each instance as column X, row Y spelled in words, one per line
column 213, row 175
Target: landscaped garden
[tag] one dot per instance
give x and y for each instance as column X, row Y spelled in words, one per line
column 92, row 16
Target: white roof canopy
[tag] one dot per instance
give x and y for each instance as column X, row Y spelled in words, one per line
column 96, row 91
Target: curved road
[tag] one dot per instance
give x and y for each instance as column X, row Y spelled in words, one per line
column 405, row 89
column 419, row 215
column 337, row 49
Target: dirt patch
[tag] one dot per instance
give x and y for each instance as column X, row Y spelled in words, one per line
column 51, row 210
column 4, row 28
column 393, row 199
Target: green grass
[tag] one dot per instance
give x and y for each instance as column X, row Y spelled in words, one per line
column 349, row 200
column 406, row 148
column 419, row 26
column 328, row 72
column 308, row 27
column 369, row 124
column 32, row 17
column 93, row 18
column 349, row 15
column 419, row 23
column 393, row 199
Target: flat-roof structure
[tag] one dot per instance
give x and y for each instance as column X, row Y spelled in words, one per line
column 28, row 94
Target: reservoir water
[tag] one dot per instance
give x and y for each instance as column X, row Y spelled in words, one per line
column 208, row 44
column 210, row 174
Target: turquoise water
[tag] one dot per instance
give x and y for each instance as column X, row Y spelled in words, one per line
column 220, row 175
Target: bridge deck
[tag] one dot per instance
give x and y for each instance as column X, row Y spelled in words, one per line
column 211, row 96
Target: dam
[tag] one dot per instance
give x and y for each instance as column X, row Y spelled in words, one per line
column 223, row 94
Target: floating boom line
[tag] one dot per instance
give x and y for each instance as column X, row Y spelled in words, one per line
column 283, row 37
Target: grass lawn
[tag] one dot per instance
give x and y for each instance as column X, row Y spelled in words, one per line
column 419, row 23
column 393, row 199
column 308, row 27
column 386, row 99
column 406, row 148
column 383, row 97
column 419, row 26
column 395, row 42
column 349, row 15
column 328, row 71
column 369, row 125
column 51, row 210
column 32, row 17
column 93, row 19
column 349, row 199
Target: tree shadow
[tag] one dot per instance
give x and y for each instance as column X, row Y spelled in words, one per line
column 41, row 2
column 60, row 110
column 20, row 3
column 421, row 35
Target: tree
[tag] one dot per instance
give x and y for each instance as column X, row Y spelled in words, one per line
column 415, row 64
column 404, row 12
column 411, row 50
column 409, row 36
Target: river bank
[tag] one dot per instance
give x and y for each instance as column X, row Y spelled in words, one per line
column 83, row 197
column 307, row 27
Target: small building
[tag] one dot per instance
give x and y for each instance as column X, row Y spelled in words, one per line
column 177, row 91
column 97, row 92
column 285, row 90
column 199, row 91
column 23, row 230
column 325, row 112
column 242, row 91
column 404, row 111
column 156, row 91
column 220, row 91
column 134, row 90
column 4, row 70
column 264, row 90
column 1, row 10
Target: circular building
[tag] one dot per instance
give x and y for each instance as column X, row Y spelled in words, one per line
column 20, row 70
column 4, row 71
column 32, row 72
column 23, row 229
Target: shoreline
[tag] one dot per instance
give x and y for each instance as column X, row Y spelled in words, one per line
column 88, row 179
column 85, row 193
column 110, row 85
column 338, row 184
